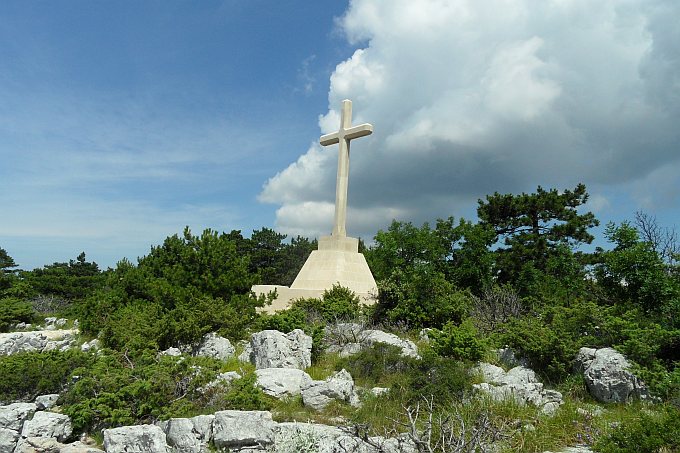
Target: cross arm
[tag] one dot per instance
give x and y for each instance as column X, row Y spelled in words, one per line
column 358, row 131
column 329, row 139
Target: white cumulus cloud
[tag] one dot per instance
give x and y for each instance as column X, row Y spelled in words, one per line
column 470, row 97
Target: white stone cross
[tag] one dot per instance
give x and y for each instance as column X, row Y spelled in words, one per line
column 342, row 137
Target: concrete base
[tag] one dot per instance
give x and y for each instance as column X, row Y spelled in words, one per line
column 337, row 261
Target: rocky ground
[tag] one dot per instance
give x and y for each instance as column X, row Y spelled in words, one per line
column 280, row 360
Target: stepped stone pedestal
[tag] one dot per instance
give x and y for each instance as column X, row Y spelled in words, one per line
column 337, row 261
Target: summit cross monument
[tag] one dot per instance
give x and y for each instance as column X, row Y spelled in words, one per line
column 337, row 260
column 342, row 138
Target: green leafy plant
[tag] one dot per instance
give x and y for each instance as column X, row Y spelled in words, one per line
column 460, row 342
column 27, row 375
column 120, row 390
column 651, row 432
column 12, row 311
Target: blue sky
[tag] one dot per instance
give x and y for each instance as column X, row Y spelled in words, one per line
column 122, row 122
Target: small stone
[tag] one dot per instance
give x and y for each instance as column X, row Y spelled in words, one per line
column 222, row 379
column 44, row 402
column 92, row 345
column 377, row 391
column 550, row 409
column 172, row 352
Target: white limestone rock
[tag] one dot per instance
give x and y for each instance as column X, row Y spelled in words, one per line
column 14, row 415
column 51, row 445
column 91, row 346
column 273, row 349
column 550, row 408
column 490, row 373
column 401, row 444
column 79, row 447
column 222, row 379
column 408, row 348
column 579, row 449
column 520, row 384
column 297, row 437
column 345, row 332
column 377, row 391
column 423, row 335
column 189, row 435
column 8, row 440
column 214, row 346
column 584, row 357
column 16, row 342
column 345, row 350
column 340, row 386
column 508, row 357
column 608, row 377
column 247, row 354
column 243, row 429
column 48, row 424
column 282, row 382
column 350, row 338
column 44, row 402
column 172, row 352
column 36, row 341
column 138, row 439
column 520, row 375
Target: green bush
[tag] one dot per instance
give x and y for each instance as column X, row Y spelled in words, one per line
column 410, row 379
column 420, row 298
column 25, row 376
column 651, row 432
column 70, row 281
column 336, row 304
column 242, row 394
column 120, row 390
column 458, row 342
column 376, row 363
column 551, row 337
column 444, row 379
column 183, row 289
column 12, row 311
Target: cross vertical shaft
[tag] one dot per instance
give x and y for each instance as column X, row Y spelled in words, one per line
column 342, row 138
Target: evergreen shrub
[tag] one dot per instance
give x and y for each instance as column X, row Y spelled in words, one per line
column 12, row 311
column 458, row 342
column 444, row 379
column 27, row 375
column 651, row 432
column 119, row 390
column 375, row 364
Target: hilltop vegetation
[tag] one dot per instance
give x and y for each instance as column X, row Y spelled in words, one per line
column 518, row 277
